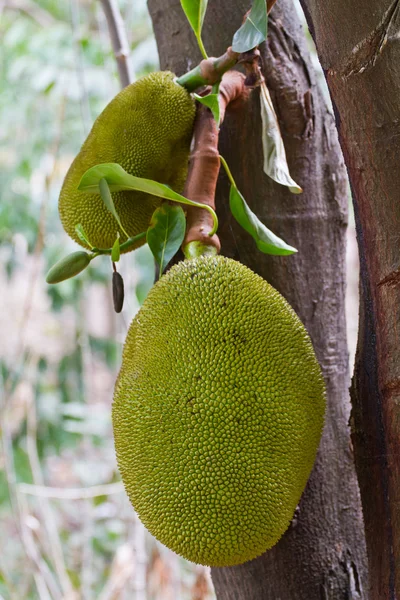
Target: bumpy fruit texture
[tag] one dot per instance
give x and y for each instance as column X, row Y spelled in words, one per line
column 147, row 129
column 218, row 412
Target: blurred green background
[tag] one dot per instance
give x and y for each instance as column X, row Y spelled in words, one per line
column 68, row 530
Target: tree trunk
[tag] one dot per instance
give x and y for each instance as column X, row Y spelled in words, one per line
column 360, row 53
column 322, row 555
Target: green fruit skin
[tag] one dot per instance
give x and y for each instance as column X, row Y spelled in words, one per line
column 68, row 267
column 147, row 129
column 218, row 412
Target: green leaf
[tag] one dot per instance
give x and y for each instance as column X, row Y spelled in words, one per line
column 266, row 241
column 275, row 163
column 105, row 194
column 195, row 11
column 115, row 251
column 68, row 267
column 166, row 232
column 212, row 102
column 82, row 235
column 254, row 29
column 119, row 180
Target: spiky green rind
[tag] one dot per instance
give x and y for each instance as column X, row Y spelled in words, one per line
column 147, row 129
column 218, row 412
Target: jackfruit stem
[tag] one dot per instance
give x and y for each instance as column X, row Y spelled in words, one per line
column 202, row 180
column 209, row 71
column 125, row 246
column 196, row 249
column 204, row 168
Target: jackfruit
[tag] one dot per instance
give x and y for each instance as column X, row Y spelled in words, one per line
column 68, row 267
column 147, row 129
column 218, row 412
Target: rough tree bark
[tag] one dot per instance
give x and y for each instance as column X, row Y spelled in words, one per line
column 322, row 555
column 358, row 45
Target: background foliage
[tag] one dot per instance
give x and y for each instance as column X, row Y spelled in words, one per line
column 60, row 346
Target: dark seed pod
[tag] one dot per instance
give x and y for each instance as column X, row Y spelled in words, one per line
column 118, row 291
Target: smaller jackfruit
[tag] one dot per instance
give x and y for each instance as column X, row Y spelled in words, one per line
column 218, row 411
column 147, row 129
column 68, row 267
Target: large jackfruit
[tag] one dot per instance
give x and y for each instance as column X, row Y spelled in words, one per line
column 147, row 129
column 217, row 413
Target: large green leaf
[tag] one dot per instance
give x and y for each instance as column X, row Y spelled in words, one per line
column 195, row 11
column 119, row 180
column 275, row 163
column 254, row 29
column 266, row 241
column 105, row 194
column 166, row 232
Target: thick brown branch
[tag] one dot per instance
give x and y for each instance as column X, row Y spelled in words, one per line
column 202, row 180
column 233, row 92
column 362, row 63
column 204, row 163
